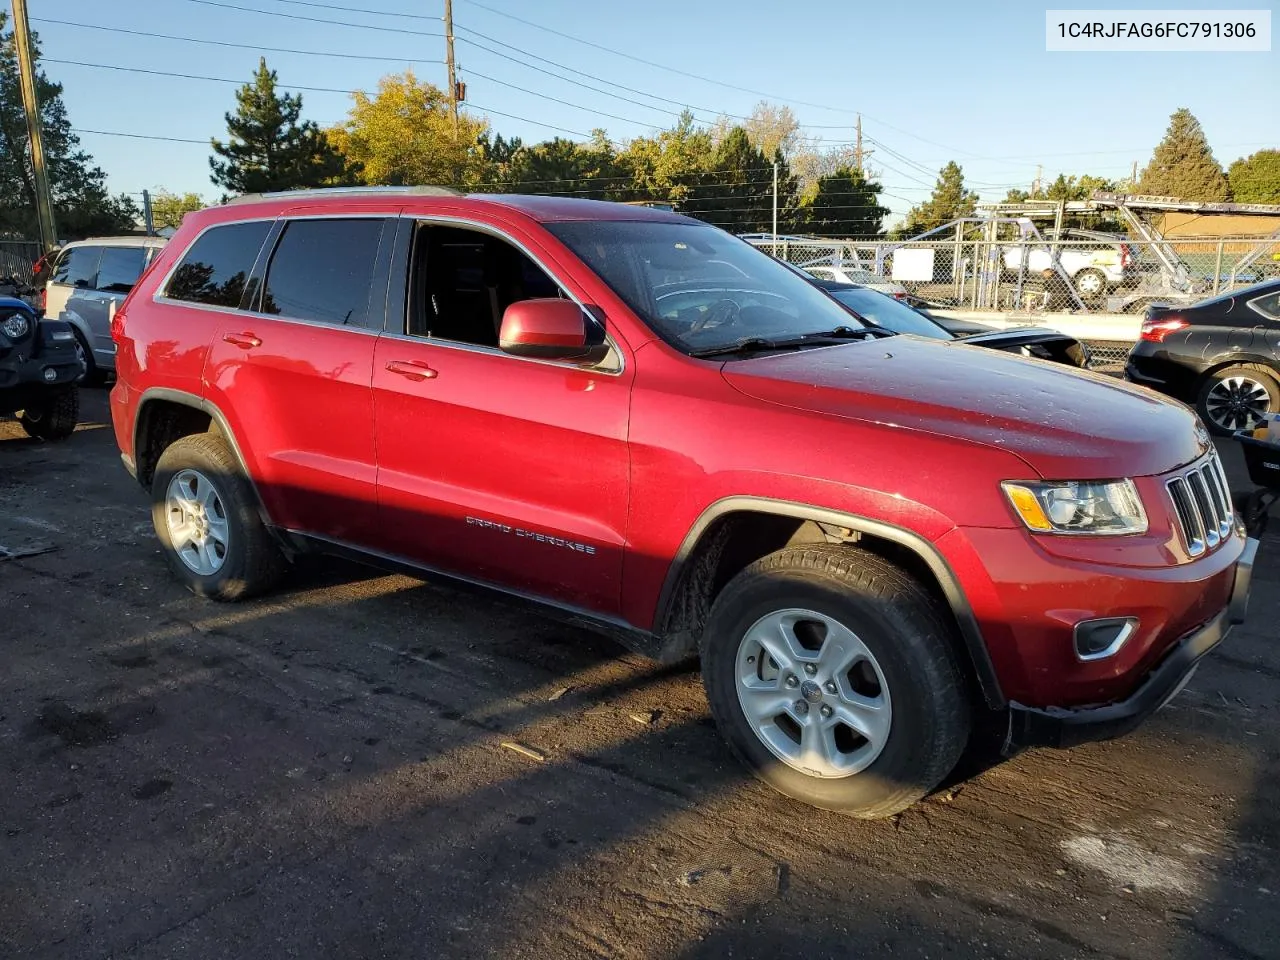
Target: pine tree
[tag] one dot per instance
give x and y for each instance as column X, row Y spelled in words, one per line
column 81, row 205
column 950, row 201
column 268, row 149
column 1256, row 179
column 736, row 192
column 846, row 204
column 1183, row 165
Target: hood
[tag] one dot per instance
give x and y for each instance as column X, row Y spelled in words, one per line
column 1065, row 423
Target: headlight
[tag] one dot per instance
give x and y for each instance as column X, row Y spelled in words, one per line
column 1108, row 508
column 15, row 326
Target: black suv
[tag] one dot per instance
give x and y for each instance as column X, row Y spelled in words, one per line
column 39, row 367
column 1221, row 354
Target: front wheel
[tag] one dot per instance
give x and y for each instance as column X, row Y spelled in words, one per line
column 54, row 416
column 1236, row 397
column 833, row 676
column 206, row 517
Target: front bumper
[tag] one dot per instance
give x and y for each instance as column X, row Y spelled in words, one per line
column 1063, row 727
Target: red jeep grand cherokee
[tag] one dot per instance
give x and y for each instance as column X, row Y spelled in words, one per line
column 873, row 542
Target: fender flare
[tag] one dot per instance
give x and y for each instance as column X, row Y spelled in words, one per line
column 970, row 632
column 216, row 416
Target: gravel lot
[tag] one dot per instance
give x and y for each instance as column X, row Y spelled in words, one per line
column 326, row 772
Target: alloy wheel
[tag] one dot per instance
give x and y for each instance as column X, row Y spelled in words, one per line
column 813, row 693
column 197, row 523
column 1236, row 403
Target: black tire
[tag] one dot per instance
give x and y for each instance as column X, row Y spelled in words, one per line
column 1255, row 373
column 253, row 561
column 911, row 641
column 93, row 374
column 55, row 416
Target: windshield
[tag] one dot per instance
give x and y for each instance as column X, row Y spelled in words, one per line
column 698, row 287
column 888, row 313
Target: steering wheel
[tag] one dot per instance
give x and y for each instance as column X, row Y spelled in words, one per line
column 721, row 313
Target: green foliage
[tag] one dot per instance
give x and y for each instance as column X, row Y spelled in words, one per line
column 404, row 135
column 845, row 204
column 736, row 193
column 560, row 166
column 269, row 149
column 1183, row 165
column 81, row 205
column 1256, row 178
column 950, row 201
column 168, row 209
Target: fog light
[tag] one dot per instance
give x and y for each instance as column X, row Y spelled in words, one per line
column 50, row 374
column 1099, row 639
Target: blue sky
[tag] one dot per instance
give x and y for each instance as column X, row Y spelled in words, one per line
column 934, row 80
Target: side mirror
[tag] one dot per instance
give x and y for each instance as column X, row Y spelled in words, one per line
column 548, row 329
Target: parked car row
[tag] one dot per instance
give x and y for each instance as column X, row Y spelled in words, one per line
column 878, row 539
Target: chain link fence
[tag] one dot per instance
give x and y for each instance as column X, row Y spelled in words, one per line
column 1083, row 272
column 17, row 257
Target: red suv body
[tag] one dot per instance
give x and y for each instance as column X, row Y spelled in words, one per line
column 638, row 419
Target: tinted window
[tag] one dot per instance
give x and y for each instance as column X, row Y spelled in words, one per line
column 78, row 267
column 323, row 270
column 120, row 268
column 216, row 267
column 888, row 313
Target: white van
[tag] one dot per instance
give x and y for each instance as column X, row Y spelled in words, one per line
column 87, row 277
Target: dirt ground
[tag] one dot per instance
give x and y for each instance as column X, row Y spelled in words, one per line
column 326, row 773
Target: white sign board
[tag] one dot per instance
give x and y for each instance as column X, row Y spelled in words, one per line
column 913, row 264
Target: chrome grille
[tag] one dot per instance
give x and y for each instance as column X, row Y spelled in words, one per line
column 1202, row 505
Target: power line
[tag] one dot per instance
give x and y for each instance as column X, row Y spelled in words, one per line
column 239, row 46
column 347, row 8
column 298, row 16
column 187, row 76
column 138, row 136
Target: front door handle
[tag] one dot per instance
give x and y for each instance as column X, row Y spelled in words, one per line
column 411, row 369
column 244, row 341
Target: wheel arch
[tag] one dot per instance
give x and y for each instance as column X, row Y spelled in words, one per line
column 710, row 536
column 204, row 417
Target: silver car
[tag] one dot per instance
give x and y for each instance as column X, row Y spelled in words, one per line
column 89, row 279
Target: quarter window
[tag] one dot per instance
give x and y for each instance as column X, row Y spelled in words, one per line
column 79, row 267
column 323, row 270
column 1268, row 306
column 120, row 268
column 215, row 269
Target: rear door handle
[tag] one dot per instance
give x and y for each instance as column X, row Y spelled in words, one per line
column 411, row 369
column 245, row 341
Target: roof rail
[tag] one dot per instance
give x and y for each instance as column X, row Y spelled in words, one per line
column 417, row 191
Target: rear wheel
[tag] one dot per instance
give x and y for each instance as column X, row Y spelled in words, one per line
column 1235, row 398
column 832, row 675
column 1091, row 284
column 206, row 517
column 54, row 416
column 93, row 374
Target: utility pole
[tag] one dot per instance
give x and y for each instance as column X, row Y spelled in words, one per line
column 775, row 202
column 146, row 213
column 448, row 59
column 27, row 81
column 1133, row 178
column 1035, row 187
column 859, row 155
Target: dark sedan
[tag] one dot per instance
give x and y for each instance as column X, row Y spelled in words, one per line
column 882, row 311
column 1221, row 354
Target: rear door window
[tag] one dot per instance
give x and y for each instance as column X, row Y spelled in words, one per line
column 78, row 267
column 323, row 271
column 120, row 268
column 1267, row 305
column 214, row 271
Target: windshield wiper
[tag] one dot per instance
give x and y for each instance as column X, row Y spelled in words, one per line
column 824, row 338
column 851, row 333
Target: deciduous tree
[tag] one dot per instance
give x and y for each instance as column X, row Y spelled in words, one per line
column 168, row 209
column 1256, row 178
